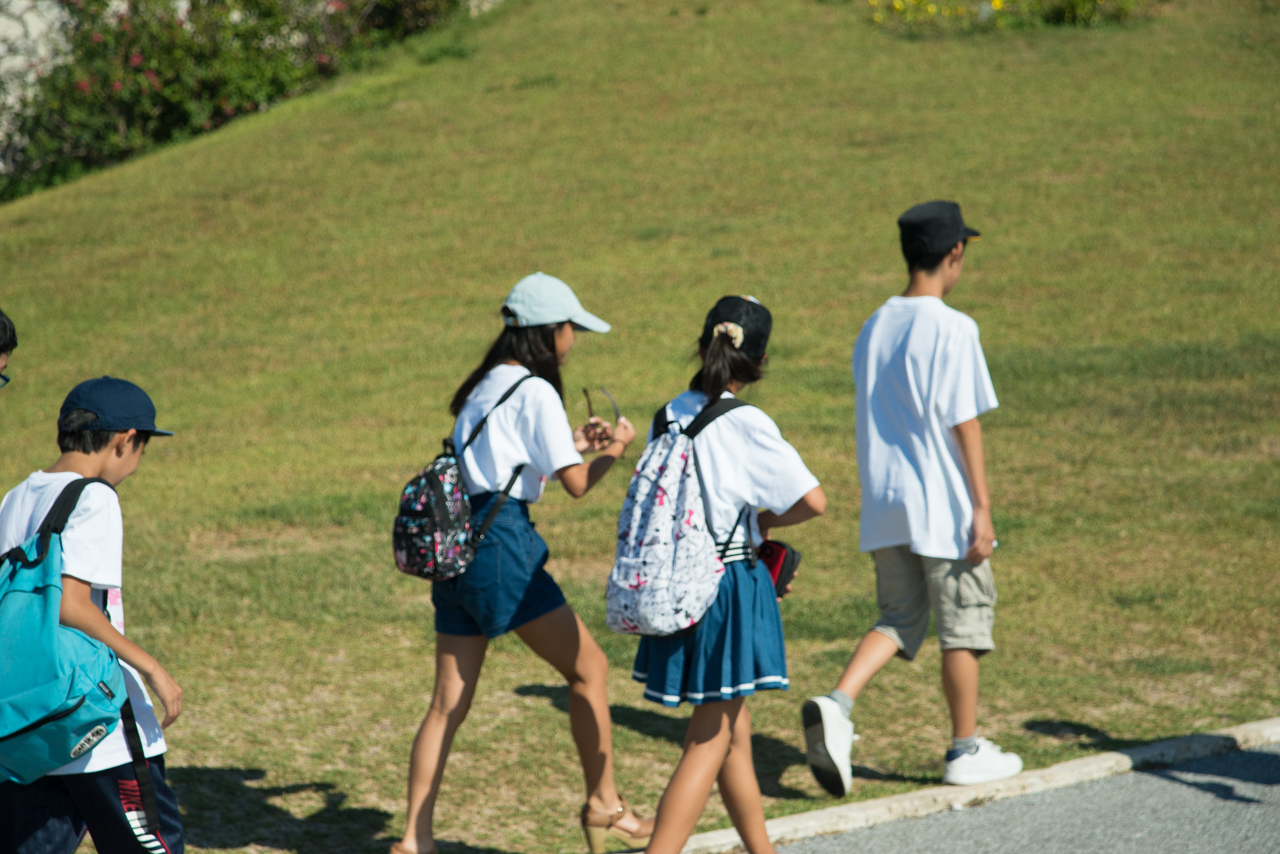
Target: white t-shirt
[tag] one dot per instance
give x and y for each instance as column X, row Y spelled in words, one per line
column 745, row 462
column 919, row 371
column 92, row 550
column 530, row 427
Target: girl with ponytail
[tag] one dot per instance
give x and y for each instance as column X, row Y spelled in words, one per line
column 754, row 480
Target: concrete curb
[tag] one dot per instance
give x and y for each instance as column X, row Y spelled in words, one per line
column 914, row 804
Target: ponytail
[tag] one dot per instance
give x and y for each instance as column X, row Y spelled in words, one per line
column 722, row 362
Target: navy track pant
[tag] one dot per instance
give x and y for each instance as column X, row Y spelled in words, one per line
column 51, row 815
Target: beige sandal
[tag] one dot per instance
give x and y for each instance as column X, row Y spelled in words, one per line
column 397, row 848
column 622, row 824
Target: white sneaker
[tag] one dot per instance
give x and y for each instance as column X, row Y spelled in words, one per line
column 987, row 764
column 829, row 739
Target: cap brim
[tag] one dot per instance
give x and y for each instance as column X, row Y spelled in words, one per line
column 588, row 321
column 161, row 432
column 970, row 234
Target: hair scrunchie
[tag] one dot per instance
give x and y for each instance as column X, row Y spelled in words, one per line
column 733, row 330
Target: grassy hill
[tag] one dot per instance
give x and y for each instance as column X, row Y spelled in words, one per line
column 302, row 291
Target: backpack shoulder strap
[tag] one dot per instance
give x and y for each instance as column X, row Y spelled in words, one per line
column 475, row 431
column 60, row 513
column 660, row 422
column 708, row 414
column 141, row 770
column 55, row 522
column 711, row 412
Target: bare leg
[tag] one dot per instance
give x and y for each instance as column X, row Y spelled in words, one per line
column 562, row 639
column 458, row 661
column 740, row 790
column 960, row 682
column 874, row 651
column 706, row 745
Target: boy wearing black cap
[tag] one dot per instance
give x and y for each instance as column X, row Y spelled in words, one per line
column 922, row 382
column 8, row 340
column 103, row 430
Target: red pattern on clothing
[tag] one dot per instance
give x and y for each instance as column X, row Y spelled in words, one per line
column 130, row 796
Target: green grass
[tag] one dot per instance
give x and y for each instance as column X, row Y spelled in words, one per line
column 302, row 291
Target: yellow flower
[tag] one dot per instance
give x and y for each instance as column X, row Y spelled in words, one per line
column 899, row 5
column 874, row 3
column 931, row 9
column 997, row 4
column 877, row 17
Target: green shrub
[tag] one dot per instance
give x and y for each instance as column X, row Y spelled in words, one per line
column 129, row 77
column 935, row 17
column 1088, row 13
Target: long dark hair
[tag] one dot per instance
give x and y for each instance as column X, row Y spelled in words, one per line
column 722, row 362
column 8, row 335
column 532, row 346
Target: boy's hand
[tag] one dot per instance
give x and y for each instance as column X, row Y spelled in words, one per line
column 169, row 692
column 982, row 540
column 78, row 611
column 983, row 536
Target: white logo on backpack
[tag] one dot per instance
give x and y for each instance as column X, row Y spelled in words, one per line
column 667, row 568
column 95, row 735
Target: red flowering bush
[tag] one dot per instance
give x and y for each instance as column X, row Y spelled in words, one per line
column 130, row 77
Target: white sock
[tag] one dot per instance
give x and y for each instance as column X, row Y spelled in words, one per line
column 844, row 701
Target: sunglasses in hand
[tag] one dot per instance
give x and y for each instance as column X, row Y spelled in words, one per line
column 598, row 433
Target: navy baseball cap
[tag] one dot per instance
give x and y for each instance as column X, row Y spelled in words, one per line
column 932, row 229
column 119, row 404
column 753, row 321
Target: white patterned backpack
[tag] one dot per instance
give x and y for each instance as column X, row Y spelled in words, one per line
column 667, row 569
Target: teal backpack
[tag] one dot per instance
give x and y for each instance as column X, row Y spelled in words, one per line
column 61, row 692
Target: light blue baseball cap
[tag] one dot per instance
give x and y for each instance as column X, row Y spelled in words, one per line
column 539, row 300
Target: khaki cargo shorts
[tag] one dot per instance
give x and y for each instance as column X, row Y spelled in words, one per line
column 962, row 597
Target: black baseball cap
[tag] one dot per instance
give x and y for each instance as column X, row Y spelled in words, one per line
column 119, row 404
column 932, row 229
column 750, row 316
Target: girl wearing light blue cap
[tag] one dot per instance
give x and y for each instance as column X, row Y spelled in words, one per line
column 526, row 441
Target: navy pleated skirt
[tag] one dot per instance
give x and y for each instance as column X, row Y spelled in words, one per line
column 736, row 650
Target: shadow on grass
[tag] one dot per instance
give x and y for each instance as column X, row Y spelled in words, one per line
column 1083, row 736
column 862, row 772
column 225, row 810
column 772, row 756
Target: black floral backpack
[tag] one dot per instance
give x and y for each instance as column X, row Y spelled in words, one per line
column 432, row 535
